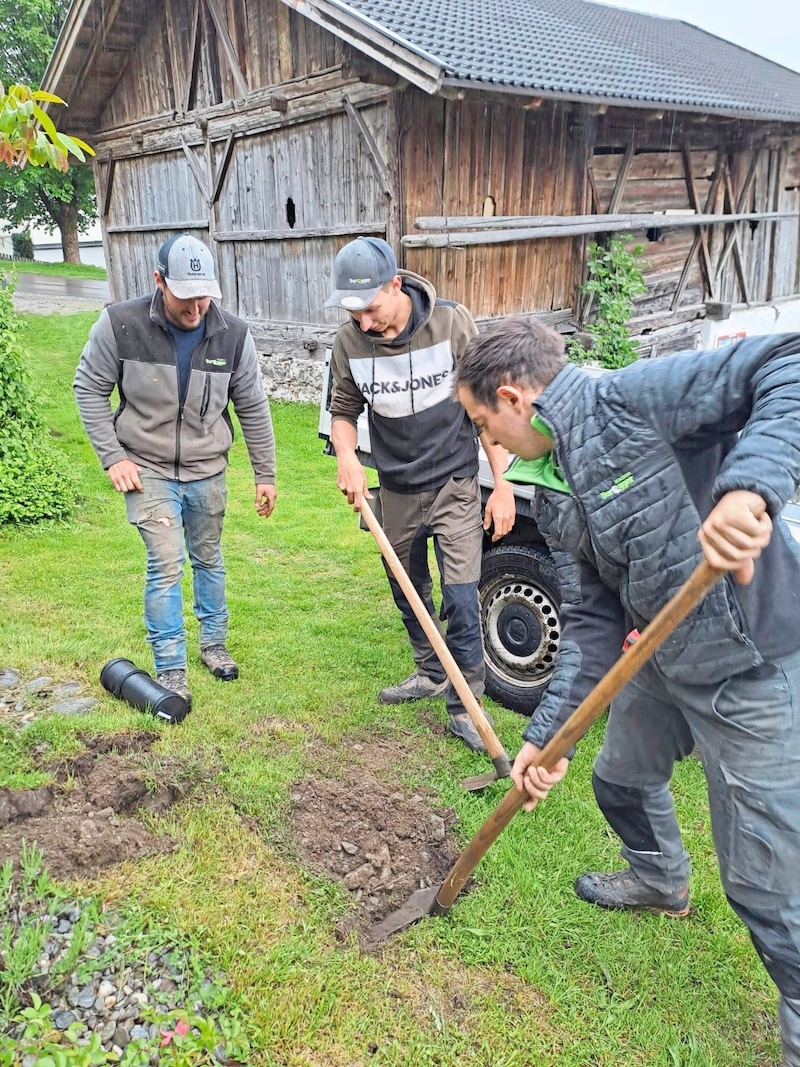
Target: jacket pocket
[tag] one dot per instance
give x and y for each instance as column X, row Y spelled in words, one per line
column 205, row 400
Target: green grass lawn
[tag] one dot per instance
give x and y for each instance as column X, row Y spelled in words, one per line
column 61, row 270
column 520, row 973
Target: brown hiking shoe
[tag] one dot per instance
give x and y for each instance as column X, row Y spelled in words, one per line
column 220, row 662
column 177, row 683
column 626, row 891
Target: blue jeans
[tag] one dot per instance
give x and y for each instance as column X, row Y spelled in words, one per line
column 168, row 513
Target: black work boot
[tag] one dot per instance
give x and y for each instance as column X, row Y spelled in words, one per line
column 625, row 890
column 220, row 662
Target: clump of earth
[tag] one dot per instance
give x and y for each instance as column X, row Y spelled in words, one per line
column 380, row 843
column 87, row 818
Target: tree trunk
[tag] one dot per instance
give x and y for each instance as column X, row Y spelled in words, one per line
column 68, row 225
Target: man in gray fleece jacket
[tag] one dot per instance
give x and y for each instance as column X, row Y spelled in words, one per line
column 178, row 361
column 640, row 473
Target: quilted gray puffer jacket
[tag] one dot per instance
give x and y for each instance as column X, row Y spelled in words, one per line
column 647, row 452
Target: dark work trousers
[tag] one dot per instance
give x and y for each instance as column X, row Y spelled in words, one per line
column 747, row 730
column 452, row 517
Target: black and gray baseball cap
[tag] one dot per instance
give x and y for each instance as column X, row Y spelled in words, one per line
column 359, row 271
column 187, row 267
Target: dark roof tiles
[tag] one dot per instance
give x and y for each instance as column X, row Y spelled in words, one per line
column 584, row 49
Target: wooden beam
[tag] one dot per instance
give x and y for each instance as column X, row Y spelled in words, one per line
column 702, row 243
column 636, row 221
column 300, row 234
column 223, row 33
column 616, row 197
column 101, row 33
column 376, row 158
column 719, row 167
column 732, row 241
column 190, row 85
column 534, row 233
column 736, row 205
column 106, row 183
column 156, row 227
column 222, row 169
column 196, row 168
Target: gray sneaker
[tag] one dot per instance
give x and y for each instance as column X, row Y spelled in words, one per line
column 626, row 891
column 461, row 726
column 220, row 662
column 416, row 687
column 177, row 683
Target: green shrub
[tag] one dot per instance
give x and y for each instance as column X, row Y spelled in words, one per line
column 615, row 278
column 35, row 480
column 22, row 245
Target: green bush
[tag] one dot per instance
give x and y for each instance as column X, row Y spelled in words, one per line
column 615, row 278
column 22, row 245
column 35, row 479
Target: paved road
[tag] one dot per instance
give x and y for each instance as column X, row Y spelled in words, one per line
column 56, row 288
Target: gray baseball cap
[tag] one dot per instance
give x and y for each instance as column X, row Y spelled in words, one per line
column 360, row 270
column 187, row 267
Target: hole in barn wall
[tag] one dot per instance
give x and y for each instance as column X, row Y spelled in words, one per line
column 488, row 207
column 655, row 234
column 753, row 227
column 291, row 214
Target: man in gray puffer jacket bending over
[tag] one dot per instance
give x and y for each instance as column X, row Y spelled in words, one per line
column 639, row 474
column 178, row 361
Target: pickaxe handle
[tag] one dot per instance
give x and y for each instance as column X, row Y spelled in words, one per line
column 453, row 671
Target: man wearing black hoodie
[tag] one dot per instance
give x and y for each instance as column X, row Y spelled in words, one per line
column 397, row 355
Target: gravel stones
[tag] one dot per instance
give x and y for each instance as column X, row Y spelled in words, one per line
column 121, row 993
column 21, row 702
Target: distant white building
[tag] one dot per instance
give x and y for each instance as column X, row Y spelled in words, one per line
column 49, row 251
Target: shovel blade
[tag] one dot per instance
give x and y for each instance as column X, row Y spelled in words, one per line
column 418, row 905
column 479, row 781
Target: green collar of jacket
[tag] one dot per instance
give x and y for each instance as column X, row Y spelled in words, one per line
column 542, row 471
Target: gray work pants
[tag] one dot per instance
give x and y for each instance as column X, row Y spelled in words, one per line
column 747, row 730
column 450, row 515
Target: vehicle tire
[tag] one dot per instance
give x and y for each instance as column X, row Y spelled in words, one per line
column 520, row 624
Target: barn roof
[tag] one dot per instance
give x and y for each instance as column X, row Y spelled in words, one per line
column 581, row 50
column 568, row 49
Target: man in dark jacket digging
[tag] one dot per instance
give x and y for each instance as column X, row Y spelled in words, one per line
column 640, row 473
column 179, row 361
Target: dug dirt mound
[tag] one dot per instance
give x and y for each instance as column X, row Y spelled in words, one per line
column 87, row 819
column 380, row 844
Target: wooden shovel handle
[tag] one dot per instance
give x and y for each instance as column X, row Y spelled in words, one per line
column 674, row 611
column 452, row 669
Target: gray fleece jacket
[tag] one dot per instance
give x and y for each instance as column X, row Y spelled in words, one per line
column 129, row 347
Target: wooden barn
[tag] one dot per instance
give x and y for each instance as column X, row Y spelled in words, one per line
column 489, row 142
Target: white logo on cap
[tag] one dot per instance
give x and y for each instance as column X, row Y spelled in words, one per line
column 360, row 281
column 352, row 303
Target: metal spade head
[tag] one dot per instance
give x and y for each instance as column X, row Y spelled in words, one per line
column 418, row 905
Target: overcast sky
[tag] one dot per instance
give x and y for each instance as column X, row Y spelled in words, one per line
column 769, row 27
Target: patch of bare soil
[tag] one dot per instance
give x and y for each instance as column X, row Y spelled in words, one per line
column 380, row 843
column 87, row 819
